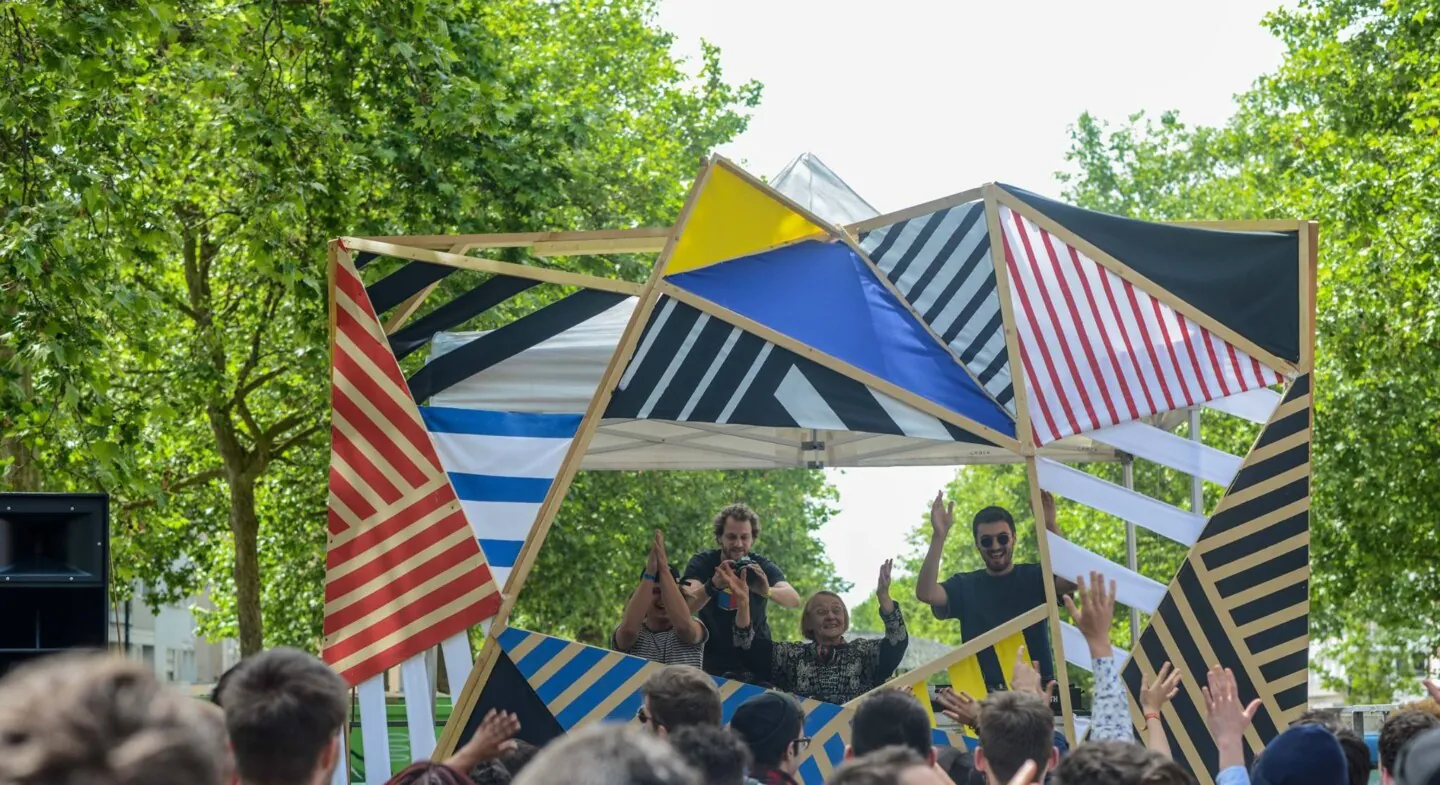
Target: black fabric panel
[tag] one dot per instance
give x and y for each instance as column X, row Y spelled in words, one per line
column 660, row 350
column 508, row 341
column 1284, row 632
column 398, row 286
column 1252, row 475
column 704, row 353
column 714, row 400
column 1286, row 665
column 1267, row 570
column 1298, row 695
column 1277, row 532
column 1209, row 626
column 507, row 690
column 1192, row 717
column 1247, row 281
column 932, row 224
column 850, row 400
column 986, row 288
column 966, row 268
column 1283, row 428
column 1299, row 387
column 758, row 405
column 961, row 435
column 1275, row 602
column 363, row 258
column 456, row 312
column 1249, row 511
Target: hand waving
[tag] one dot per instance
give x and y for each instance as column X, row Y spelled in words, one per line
column 1154, row 694
column 1226, row 716
column 959, row 707
column 882, row 587
column 1099, row 612
column 494, row 737
column 1026, row 677
column 942, row 516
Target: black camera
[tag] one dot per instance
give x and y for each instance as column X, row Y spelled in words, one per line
column 743, row 562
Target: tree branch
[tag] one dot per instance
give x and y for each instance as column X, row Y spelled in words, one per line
column 175, row 487
column 284, row 446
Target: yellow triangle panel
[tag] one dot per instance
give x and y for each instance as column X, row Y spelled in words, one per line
column 732, row 218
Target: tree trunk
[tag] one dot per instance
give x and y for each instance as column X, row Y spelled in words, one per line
column 245, row 527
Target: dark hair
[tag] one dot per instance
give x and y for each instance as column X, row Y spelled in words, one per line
column 1357, row 752
column 717, row 754
column 604, row 754
column 427, row 773
column 681, row 695
column 1118, row 763
column 991, row 515
column 882, row 767
column 283, row 708
column 518, row 756
column 891, row 718
column 1015, row 727
column 738, row 512
column 1400, row 728
column 768, row 723
column 490, row 773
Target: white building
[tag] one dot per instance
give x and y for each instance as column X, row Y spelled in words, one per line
column 167, row 642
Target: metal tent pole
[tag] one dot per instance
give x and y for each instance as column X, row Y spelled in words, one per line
column 1132, row 560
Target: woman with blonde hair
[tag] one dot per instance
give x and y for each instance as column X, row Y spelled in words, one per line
column 826, row 666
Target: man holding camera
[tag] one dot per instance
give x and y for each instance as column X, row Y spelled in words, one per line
column 736, row 528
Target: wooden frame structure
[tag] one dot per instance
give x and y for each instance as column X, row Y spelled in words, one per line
column 1222, row 589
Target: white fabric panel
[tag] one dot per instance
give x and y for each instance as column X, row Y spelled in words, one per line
column 341, row 774
column 458, row 662
column 501, row 520
column 1082, row 726
column 911, row 420
column 1182, row 526
column 419, row 713
column 1165, row 448
column 799, row 396
column 1077, row 651
column 557, row 376
column 1132, row 589
column 374, row 730
column 503, row 456
column 501, row 574
column 1255, row 405
column 818, row 189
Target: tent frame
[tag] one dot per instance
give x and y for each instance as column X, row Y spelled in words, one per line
column 453, row 251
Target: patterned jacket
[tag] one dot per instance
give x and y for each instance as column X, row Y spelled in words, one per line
column 835, row 674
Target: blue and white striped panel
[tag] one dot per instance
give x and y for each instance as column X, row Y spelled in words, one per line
column 941, row 263
column 501, row 464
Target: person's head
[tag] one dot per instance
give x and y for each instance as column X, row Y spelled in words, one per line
column 284, row 709
column 518, row 756
column 212, row 719
column 887, row 766
column 93, row 719
column 994, row 531
column 657, row 616
column 490, row 773
column 608, row 755
column 771, row 724
column 1118, row 763
column 891, row 718
column 717, row 754
column 1398, row 729
column 737, row 527
column 825, row 618
column 677, row 696
column 425, row 772
column 1426, row 705
column 1357, row 752
column 1419, row 760
column 1015, row 727
column 1305, row 754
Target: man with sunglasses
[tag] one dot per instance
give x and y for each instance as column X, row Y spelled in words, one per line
column 987, row 598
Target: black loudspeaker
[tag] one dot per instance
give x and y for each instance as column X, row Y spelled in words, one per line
column 54, row 574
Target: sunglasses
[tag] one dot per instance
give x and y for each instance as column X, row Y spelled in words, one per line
column 642, row 716
column 1002, row 539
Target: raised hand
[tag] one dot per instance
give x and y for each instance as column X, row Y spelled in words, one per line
column 1154, row 694
column 1047, row 508
column 1099, row 612
column 942, row 516
column 494, row 737
column 1026, row 676
column 1226, row 716
column 1432, row 687
column 959, row 707
column 727, row 579
column 882, row 586
column 657, row 552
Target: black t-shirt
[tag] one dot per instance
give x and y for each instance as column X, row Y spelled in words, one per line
column 982, row 602
column 718, row 615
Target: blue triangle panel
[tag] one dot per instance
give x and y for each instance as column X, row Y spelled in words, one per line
column 823, row 295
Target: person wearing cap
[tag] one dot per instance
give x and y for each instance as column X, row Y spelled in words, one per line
column 1302, row 755
column 1419, row 760
column 771, row 725
column 648, row 629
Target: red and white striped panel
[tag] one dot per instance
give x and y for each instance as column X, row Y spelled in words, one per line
column 403, row 571
column 1098, row 351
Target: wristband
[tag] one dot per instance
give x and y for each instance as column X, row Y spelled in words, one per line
column 710, row 589
column 1152, row 715
column 645, row 576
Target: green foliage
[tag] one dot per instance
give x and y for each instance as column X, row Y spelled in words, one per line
column 1343, row 132
column 597, row 547
column 171, row 173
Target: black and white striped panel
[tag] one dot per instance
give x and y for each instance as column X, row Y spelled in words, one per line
column 691, row 367
column 941, row 263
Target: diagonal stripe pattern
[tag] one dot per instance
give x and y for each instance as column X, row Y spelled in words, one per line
column 402, row 569
column 1241, row 599
column 1098, row 351
column 941, row 264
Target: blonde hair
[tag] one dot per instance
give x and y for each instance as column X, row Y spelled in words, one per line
column 100, row 720
column 806, row 628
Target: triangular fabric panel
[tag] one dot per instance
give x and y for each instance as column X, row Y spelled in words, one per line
column 501, row 465
column 402, row 570
column 825, row 296
column 941, row 263
column 1241, row 599
column 689, row 367
column 1097, row 351
column 507, row 690
column 809, row 182
column 1247, row 281
column 733, row 218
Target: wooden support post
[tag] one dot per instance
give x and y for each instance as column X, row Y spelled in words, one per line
column 1057, row 643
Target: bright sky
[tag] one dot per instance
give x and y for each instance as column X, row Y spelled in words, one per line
column 923, row 99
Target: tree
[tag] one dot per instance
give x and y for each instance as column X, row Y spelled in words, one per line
column 1344, row 132
column 174, row 171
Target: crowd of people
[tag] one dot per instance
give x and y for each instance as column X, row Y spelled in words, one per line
column 277, row 718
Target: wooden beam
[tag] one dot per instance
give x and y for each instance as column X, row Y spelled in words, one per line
column 405, row 310
column 542, row 274
column 934, row 205
column 1309, row 270
column 642, row 240
column 1024, row 426
column 1057, row 641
